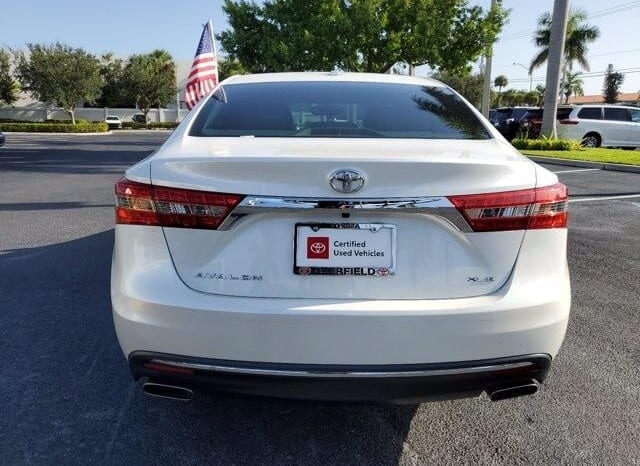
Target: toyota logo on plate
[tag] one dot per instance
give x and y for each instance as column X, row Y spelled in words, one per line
column 318, row 248
column 346, row 181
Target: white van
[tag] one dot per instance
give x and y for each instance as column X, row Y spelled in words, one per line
column 602, row 125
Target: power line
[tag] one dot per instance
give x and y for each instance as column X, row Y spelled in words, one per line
column 597, row 74
column 614, row 52
column 594, row 15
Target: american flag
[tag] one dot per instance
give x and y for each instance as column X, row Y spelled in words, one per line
column 203, row 76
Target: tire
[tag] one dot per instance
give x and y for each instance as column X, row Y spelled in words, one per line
column 591, row 140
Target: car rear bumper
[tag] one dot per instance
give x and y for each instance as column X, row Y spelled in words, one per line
column 380, row 383
column 154, row 311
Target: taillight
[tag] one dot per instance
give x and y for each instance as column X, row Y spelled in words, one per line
column 515, row 210
column 568, row 122
column 144, row 204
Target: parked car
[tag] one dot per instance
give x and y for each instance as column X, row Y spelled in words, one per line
column 507, row 120
column 113, row 121
column 267, row 249
column 2, row 139
column 139, row 118
column 603, row 125
column 531, row 122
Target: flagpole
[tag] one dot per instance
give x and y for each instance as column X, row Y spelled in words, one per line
column 213, row 47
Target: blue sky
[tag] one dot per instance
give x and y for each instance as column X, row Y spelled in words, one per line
column 126, row 27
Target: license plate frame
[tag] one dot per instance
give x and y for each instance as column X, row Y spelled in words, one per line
column 344, row 271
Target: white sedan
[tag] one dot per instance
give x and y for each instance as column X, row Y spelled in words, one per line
column 339, row 236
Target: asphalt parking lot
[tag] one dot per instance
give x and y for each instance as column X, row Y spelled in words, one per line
column 67, row 396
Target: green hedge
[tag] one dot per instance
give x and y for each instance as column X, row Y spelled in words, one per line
column 152, row 125
column 54, row 127
column 547, row 144
column 133, row 125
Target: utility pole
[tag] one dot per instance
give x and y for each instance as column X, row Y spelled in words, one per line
column 554, row 66
column 486, row 90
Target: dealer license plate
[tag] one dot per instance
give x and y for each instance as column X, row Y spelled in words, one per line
column 352, row 249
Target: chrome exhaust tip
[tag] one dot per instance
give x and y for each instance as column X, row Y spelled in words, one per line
column 514, row 391
column 172, row 392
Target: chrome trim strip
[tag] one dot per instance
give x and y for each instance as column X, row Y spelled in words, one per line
column 345, row 374
column 437, row 206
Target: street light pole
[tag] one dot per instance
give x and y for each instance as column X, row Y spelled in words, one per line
column 554, row 66
column 528, row 72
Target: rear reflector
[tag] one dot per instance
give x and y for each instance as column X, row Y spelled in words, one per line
column 144, row 204
column 515, row 210
column 568, row 122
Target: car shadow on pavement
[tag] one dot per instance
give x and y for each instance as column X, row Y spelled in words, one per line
column 69, row 398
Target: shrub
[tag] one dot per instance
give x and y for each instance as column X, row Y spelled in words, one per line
column 152, row 125
column 163, row 125
column 132, row 125
column 547, row 144
column 55, row 127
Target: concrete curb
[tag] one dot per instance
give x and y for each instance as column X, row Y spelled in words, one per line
column 132, row 131
column 615, row 167
column 28, row 133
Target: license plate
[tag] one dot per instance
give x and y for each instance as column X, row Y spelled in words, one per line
column 352, row 249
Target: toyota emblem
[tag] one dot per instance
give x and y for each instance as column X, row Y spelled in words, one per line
column 318, row 248
column 346, row 181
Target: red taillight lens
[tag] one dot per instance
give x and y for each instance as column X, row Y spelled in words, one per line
column 143, row 204
column 515, row 210
column 568, row 122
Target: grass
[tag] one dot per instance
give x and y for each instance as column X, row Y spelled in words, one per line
column 626, row 157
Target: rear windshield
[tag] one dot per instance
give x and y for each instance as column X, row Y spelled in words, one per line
column 501, row 115
column 338, row 109
column 563, row 113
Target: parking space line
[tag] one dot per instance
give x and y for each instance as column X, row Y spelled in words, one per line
column 606, row 198
column 578, row 170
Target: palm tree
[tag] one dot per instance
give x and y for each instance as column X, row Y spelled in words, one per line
column 500, row 82
column 579, row 35
column 572, row 85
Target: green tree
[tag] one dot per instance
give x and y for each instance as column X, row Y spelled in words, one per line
column 513, row 97
column 59, row 75
column 467, row 84
column 115, row 89
column 357, row 35
column 227, row 68
column 500, row 82
column 9, row 87
column 151, row 79
column 531, row 98
column 579, row 35
column 612, row 82
column 572, row 85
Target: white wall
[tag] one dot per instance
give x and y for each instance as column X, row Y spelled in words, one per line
column 37, row 113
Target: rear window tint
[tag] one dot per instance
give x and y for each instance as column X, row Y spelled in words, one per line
column 590, row 113
column 519, row 113
column 533, row 115
column 337, row 110
column 616, row 114
column 563, row 113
